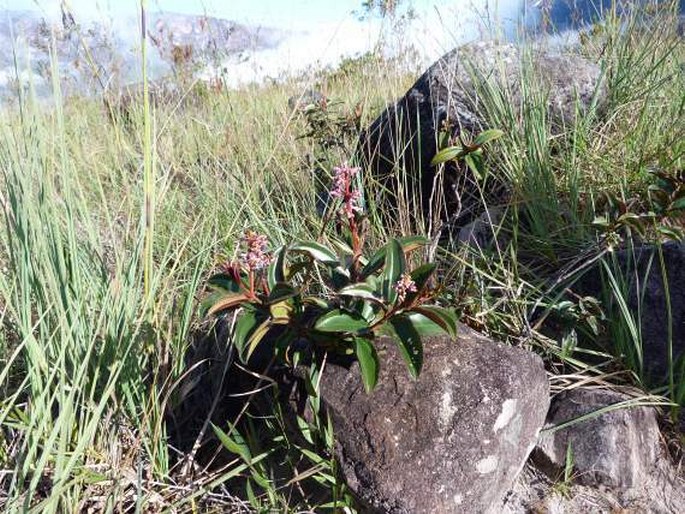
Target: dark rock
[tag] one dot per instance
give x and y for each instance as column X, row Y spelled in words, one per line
column 616, row 449
column 484, row 231
column 646, row 298
column 403, row 137
column 451, row 441
column 535, row 493
column 619, row 463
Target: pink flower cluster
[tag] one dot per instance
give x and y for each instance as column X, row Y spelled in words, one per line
column 256, row 256
column 343, row 189
column 403, row 286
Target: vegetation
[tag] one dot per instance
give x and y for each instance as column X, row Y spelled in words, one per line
column 115, row 219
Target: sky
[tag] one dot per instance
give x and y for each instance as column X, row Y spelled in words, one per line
column 320, row 32
column 267, row 12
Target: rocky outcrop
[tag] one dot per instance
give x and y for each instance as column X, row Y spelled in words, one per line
column 452, row 92
column 645, row 296
column 618, row 462
column 486, row 230
column 453, row 440
column 617, row 448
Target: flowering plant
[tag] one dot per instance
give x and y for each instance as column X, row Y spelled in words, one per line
column 315, row 300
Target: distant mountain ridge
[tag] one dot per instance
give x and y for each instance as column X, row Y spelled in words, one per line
column 93, row 55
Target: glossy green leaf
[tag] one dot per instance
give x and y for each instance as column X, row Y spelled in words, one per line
column 393, row 269
column 408, row 341
column 209, row 301
column 345, row 248
column 281, row 291
column 671, row 233
column 317, row 302
column 226, row 302
column 422, row 274
column 340, row 277
column 679, row 204
column 281, row 312
column 224, row 281
column 317, row 251
column 474, row 162
column 444, row 139
column 371, row 311
column 486, row 136
column 423, row 325
column 368, row 362
column 248, row 321
column 255, row 338
column 276, row 270
column 375, row 263
column 361, row 290
column 444, row 318
column 408, row 243
column 235, row 444
column 411, row 243
column 338, row 321
column 447, row 154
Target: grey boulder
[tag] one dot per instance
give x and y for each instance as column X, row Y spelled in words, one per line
column 618, row 458
column 453, row 440
column 617, row 448
column 451, row 91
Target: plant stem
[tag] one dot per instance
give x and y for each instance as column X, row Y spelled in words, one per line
column 148, row 168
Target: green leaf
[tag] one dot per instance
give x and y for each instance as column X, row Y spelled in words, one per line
column 209, row 301
column 673, row 234
column 225, row 282
column 227, row 301
column 601, row 222
column 375, row 263
column 677, row 205
column 447, row 154
column 317, row 251
column 408, row 243
column 368, row 362
column 486, row 136
column 409, row 342
column 474, row 163
column 246, row 324
column 281, row 291
column 276, row 271
column 371, row 311
column 256, row 337
column 316, row 302
column 235, row 444
column 422, row 275
column 444, row 139
column 444, row 318
column 340, row 277
column 394, row 267
column 281, row 312
column 423, row 325
column 338, row 321
column 345, row 248
column 360, row 290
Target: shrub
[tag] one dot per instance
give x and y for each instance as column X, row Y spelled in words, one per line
column 315, row 300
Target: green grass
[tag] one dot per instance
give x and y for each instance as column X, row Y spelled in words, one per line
column 100, row 307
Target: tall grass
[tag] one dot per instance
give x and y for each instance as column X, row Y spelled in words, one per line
column 99, row 299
